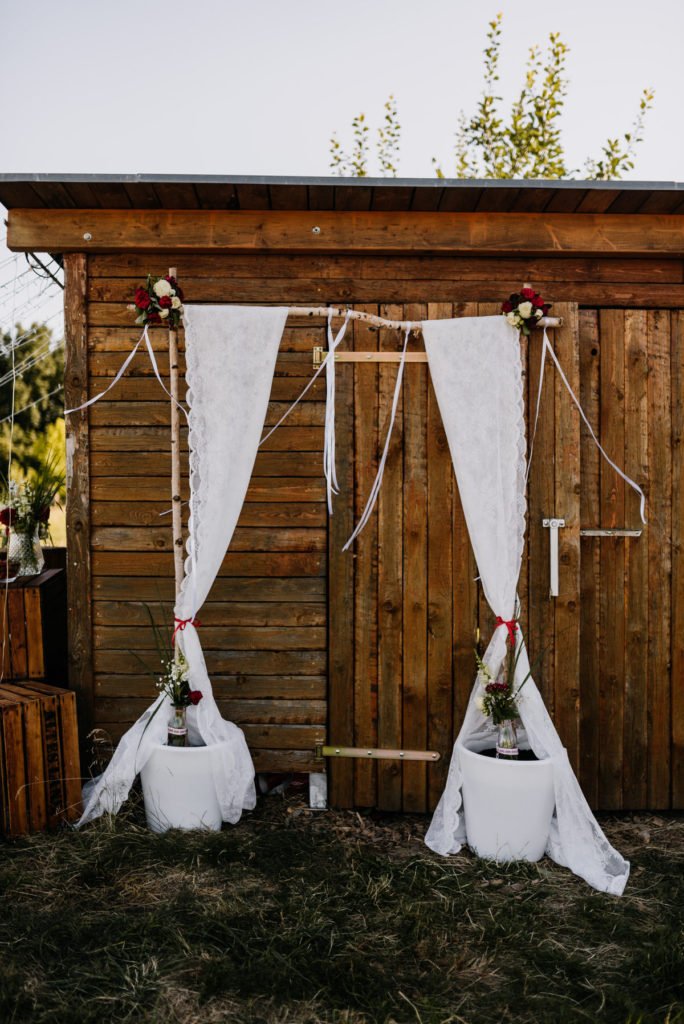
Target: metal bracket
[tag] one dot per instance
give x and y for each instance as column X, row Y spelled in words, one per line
column 318, row 355
column 553, row 525
column 610, row 533
column 377, row 753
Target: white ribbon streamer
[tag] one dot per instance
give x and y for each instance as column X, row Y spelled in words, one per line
column 124, row 366
column 375, row 489
column 331, row 485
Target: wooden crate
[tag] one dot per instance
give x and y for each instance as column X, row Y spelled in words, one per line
column 33, row 631
column 40, row 774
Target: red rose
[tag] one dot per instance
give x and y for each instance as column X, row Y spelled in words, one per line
column 153, row 317
column 527, row 293
column 7, row 516
column 165, row 302
column 142, row 298
column 538, row 302
column 506, row 307
column 195, row 696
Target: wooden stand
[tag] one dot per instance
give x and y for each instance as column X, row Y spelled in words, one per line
column 176, row 520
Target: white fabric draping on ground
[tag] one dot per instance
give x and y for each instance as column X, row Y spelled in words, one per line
column 477, row 376
column 230, row 358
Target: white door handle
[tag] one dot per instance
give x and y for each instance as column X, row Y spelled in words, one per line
column 553, row 526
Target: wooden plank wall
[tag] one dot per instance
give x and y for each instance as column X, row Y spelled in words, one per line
column 631, row 589
column 265, row 626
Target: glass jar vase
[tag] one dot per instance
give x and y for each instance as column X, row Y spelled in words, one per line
column 178, row 728
column 25, row 550
column 507, row 740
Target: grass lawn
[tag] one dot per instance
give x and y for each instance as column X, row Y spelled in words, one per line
column 306, row 917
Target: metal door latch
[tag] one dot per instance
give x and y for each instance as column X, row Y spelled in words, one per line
column 553, row 526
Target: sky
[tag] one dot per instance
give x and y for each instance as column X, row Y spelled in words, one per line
column 258, row 87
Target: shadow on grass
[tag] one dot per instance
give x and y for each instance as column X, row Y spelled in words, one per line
column 332, row 918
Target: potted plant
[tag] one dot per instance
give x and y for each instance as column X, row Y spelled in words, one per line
column 26, row 515
column 508, row 793
column 177, row 778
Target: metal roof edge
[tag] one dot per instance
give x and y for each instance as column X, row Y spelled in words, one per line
column 332, row 181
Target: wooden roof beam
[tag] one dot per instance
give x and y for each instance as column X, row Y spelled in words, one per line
column 287, row 231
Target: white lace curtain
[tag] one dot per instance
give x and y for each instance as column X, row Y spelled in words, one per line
column 230, row 354
column 477, row 375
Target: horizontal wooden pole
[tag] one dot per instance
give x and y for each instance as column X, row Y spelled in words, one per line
column 182, row 231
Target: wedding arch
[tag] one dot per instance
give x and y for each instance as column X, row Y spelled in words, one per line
column 230, row 359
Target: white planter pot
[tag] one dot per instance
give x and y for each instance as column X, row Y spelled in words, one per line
column 179, row 791
column 508, row 805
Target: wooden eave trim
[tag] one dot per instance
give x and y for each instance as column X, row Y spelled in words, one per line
column 288, row 231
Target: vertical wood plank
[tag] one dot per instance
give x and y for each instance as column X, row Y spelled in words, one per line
column 390, row 577
column 340, row 595
column 677, row 673
column 590, row 576
column 466, row 600
column 440, row 587
column 34, row 633
column 415, row 575
column 660, row 557
column 635, row 766
column 365, row 555
column 79, row 587
column 567, row 488
column 16, row 815
column 17, row 630
column 612, row 604
column 541, row 504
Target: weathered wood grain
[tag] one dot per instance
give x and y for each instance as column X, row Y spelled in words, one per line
column 242, row 230
column 365, row 563
column 660, row 558
column 612, row 607
column 590, row 566
column 677, row 666
column 390, row 579
column 76, row 392
column 415, row 592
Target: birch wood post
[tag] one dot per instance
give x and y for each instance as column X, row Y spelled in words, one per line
column 176, row 521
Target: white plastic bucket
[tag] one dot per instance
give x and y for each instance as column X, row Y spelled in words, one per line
column 179, row 791
column 508, row 805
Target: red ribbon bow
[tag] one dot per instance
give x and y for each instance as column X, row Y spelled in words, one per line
column 181, row 624
column 510, row 624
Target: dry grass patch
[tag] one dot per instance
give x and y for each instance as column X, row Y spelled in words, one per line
column 295, row 917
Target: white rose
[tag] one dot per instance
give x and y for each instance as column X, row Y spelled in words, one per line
column 479, row 704
column 131, row 306
column 539, row 313
column 175, row 302
column 525, row 309
column 162, row 287
column 163, row 313
column 512, row 318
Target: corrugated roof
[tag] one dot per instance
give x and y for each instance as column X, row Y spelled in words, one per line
column 235, row 192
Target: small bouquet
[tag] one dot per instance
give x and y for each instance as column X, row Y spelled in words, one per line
column 159, row 302
column 175, row 684
column 28, row 504
column 524, row 308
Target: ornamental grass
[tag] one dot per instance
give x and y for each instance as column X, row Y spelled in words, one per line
column 301, row 917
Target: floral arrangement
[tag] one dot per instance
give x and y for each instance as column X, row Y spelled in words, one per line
column 522, row 309
column 159, row 302
column 498, row 695
column 175, row 684
column 28, row 504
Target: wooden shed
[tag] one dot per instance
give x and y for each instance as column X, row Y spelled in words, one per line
column 307, row 644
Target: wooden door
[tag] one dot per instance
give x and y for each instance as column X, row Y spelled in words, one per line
column 405, row 607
